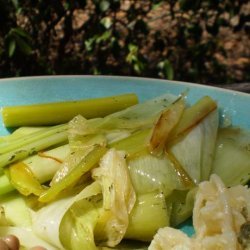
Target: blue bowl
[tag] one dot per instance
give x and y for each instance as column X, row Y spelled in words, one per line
column 233, row 105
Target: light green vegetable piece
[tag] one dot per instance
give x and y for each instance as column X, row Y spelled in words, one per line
column 148, row 215
column 47, row 221
column 232, row 156
column 89, row 161
column 195, row 151
column 63, row 112
column 118, row 197
column 27, row 145
column 134, row 118
column 151, row 173
column 27, row 175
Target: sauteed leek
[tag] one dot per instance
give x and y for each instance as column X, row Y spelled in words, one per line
column 100, row 183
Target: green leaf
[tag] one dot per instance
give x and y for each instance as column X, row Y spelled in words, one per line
column 104, row 5
column 20, row 32
column 138, row 66
column 24, row 47
column 156, row 5
column 167, row 69
column 133, row 48
column 12, row 47
column 66, row 5
column 104, row 37
column 186, row 5
column 132, row 55
column 107, row 22
column 89, row 44
column 15, row 3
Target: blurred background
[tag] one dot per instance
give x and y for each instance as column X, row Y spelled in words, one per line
column 206, row 41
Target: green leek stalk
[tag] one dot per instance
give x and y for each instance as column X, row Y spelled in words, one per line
column 87, row 163
column 31, row 144
column 44, row 165
column 5, row 185
column 26, row 175
column 135, row 144
column 232, row 156
column 148, row 215
column 180, row 205
column 24, row 180
column 18, row 133
column 167, row 121
column 22, row 140
column 62, row 112
column 192, row 116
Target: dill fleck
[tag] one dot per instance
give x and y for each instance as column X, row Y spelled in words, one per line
column 12, row 157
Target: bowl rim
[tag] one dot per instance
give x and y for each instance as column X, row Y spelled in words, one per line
column 113, row 77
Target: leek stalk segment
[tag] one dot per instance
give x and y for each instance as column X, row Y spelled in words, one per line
column 27, row 175
column 148, row 215
column 232, row 156
column 118, row 197
column 88, row 162
column 24, row 180
column 167, row 121
column 135, row 144
column 193, row 116
column 19, row 132
column 48, row 222
column 180, row 205
column 78, row 150
column 150, row 173
column 45, row 164
column 195, row 151
column 26, row 139
column 63, row 112
column 78, row 224
column 31, row 144
column 14, row 210
column 5, row 185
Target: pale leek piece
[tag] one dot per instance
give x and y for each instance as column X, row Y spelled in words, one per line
column 62, row 112
column 86, row 164
column 24, row 180
column 78, row 150
column 195, row 150
column 5, row 185
column 19, row 132
column 148, row 215
column 45, row 164
column 135, row 144
column 25, row 139
column 167, row 121
column 30, row 144
column 232, row 157
column 193, row 116
column 38, row 168
column 180, row 205
column 150, row 173
column 133, row 118
column 15, row 210
column 118, row 197
column 78, row 224
column 15, row 219
column 96, row 215
column 48, row 221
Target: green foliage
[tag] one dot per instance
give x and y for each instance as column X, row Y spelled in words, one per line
column 119, row 37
